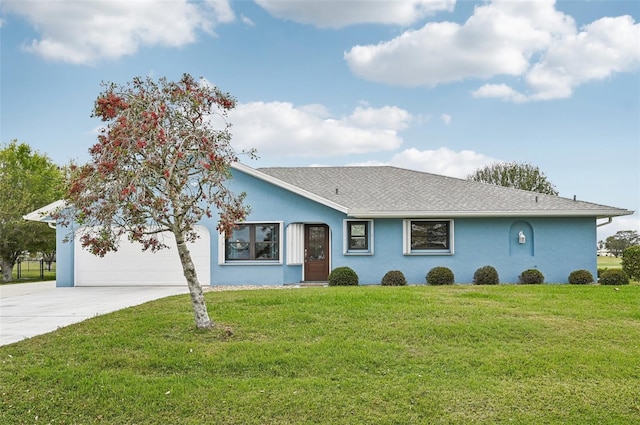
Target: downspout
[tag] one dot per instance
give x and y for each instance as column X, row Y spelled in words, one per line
column 605, row 223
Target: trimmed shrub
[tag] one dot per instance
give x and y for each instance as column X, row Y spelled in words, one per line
column 580, row 277
column 631, row 262
column 614, row 277
column 343, row 276
column 440, row 276
column 531, row 276
column 394, row 278
column 486, row 275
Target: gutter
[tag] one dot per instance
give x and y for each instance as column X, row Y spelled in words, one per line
column 609, row 221
column 487, row 214
column 40, row 215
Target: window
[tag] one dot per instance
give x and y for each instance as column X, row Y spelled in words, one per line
column 253, row 242
column 358, row 237
column 428, row 237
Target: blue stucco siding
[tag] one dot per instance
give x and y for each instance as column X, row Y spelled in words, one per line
column 555, row 246
column 564, row 245
column 64, row 259
column 270, row 203
column 561, row 246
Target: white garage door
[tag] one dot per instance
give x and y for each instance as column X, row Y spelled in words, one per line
column 133, row 267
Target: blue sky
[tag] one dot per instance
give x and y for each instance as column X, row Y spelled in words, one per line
column 434, row 85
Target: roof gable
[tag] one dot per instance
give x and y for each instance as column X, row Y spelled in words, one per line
column 384, row 191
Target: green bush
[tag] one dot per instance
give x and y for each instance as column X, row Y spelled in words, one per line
column 531, row 276
column 614, row 277
column 580, row 277
column 440, row 276
column 631, row 262
column 343, row 276
column 486, row 275
column 394, row 278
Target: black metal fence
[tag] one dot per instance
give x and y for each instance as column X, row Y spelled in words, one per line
column 34, row 269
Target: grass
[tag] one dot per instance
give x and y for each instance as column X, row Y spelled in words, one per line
column 516, row 354
column 30, row 272
column 609, row 262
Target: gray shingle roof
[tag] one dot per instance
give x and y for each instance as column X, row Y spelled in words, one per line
column 396, row 192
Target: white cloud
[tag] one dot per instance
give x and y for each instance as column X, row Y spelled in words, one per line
column 446, row 118
column 499, row 38
column 500, row 91
column 337, row 14
column 280, row 128
column 84, row 32
column 600, row 49
column 531, row 41
column 604, row 47
column 441, row 161
column 223, row 13
column 247, row 21
column 387, row 117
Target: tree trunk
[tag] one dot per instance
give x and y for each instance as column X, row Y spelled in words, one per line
column 7, row 269
column 197, row 297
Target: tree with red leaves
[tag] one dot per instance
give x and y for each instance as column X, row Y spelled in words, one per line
column 160, row 165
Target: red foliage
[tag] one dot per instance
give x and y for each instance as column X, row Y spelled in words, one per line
column 156, row 143
column 109, row 106
column 226, row 103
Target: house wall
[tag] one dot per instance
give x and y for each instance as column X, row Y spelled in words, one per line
column 272, row 204
column 555, row 246
column 560, row 246
column 64, row 259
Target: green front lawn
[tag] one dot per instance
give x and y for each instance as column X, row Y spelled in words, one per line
column 516, row 354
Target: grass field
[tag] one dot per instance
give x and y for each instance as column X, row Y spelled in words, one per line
column 609, row 263
column 30, row 272
column 516, row 354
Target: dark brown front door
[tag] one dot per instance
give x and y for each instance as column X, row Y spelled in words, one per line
column 316, row 252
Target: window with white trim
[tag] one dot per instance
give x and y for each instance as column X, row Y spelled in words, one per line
column 258, row 242
column 358, row 237
column 428, row 237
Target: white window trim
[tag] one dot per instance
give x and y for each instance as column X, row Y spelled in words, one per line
column 345, row 238
column 406, row 239
column 222, row 238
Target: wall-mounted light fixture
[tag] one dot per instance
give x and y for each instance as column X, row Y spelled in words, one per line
column 521, row 237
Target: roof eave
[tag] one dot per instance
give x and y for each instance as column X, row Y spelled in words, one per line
column 487, row 214
column 42, row 214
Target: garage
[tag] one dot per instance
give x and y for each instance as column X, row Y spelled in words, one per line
column 130, row 266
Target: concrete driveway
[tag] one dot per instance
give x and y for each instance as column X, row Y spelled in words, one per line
column 30, row 309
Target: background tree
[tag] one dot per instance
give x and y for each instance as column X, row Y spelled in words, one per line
column 622, row 240
column 631, row 262
column 28, row 181
column 513, row 174
column 160, row 165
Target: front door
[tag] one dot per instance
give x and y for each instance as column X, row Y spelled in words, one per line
column 316, row 252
